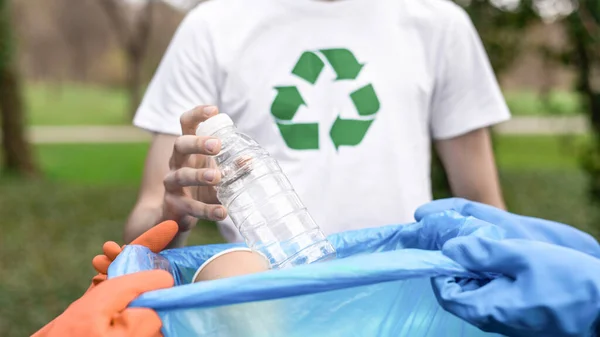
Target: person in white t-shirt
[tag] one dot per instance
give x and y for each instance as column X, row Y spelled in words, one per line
column 347, row 95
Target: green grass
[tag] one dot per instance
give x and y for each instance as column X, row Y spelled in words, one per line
column 73, row 104
column 50, row 233
column 558, row 103
column 52, row 228
column 539, row 152
column 93, row 163
column 123, row 163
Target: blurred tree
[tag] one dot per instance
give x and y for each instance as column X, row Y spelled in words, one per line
column 501, row 26
column 583, row 28
column 501, row 33
column 132, row 25
column 17, row 154
column 83, row 33
column 501, row 29
column 61, row 41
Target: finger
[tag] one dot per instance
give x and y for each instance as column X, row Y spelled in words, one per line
column 197, row 145
column 196, row 208
column 101, row 263
column 112, row 296
column 441, row 205
column 439, row 228
column 138, row 321
column 444, row 287
column 158, row 237
column 475, row 306
column 191, row 119
column 487, row 256
column 187, row 145
column 187, row 176
column 99, row 279
column 111, row 250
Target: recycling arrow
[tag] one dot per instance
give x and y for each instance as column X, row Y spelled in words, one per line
column 308, row 67
column 286, row 103
column 365, row 100
column 300, row 136
column 349, row 132
column 343, row 132
column 343, row 62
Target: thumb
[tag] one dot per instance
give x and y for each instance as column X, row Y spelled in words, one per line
column 441, row 205
column 440, row 228
column 487, row 256
column 465, row 208
column 158, row 237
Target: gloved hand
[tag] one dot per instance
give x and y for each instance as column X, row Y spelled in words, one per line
column 517, row 226
column 542, row 290
column 103, row 312
column 430, row 233
column 156, row 239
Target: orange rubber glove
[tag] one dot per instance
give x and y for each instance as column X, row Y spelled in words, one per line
column 103, row 312
column 156, row 239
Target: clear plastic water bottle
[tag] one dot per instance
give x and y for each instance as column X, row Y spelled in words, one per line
column 262, row 202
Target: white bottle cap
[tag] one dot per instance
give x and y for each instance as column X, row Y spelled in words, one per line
column 213, row 124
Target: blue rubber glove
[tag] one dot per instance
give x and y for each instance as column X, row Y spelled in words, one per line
column 517, row 226
column 543, row 290
column 430, row 233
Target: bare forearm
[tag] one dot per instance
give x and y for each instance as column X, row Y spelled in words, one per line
column 471, row 167
column 142, row 218
column 148, row 211
column 173, row 184
column 491, row 195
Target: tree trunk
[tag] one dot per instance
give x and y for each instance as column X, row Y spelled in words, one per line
column 136, row 48
column 134, row 81
column 584, row 47
column 16, row 150
column 133, row 38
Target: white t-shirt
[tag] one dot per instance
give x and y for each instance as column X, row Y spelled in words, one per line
column 372, row 81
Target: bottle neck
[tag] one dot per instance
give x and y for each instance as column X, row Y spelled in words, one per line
column 222, row 132
column 227, row 136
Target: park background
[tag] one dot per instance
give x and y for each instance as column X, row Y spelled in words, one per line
column 72, row 72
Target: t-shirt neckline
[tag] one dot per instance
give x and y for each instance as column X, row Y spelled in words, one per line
column 324, row 6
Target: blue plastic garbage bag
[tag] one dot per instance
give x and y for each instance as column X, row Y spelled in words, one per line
column 378, row 286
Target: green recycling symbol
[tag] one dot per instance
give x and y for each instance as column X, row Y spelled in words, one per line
column 343, row 132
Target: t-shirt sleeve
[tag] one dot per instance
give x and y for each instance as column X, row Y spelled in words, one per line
column 184, row 79
column 466, row 94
